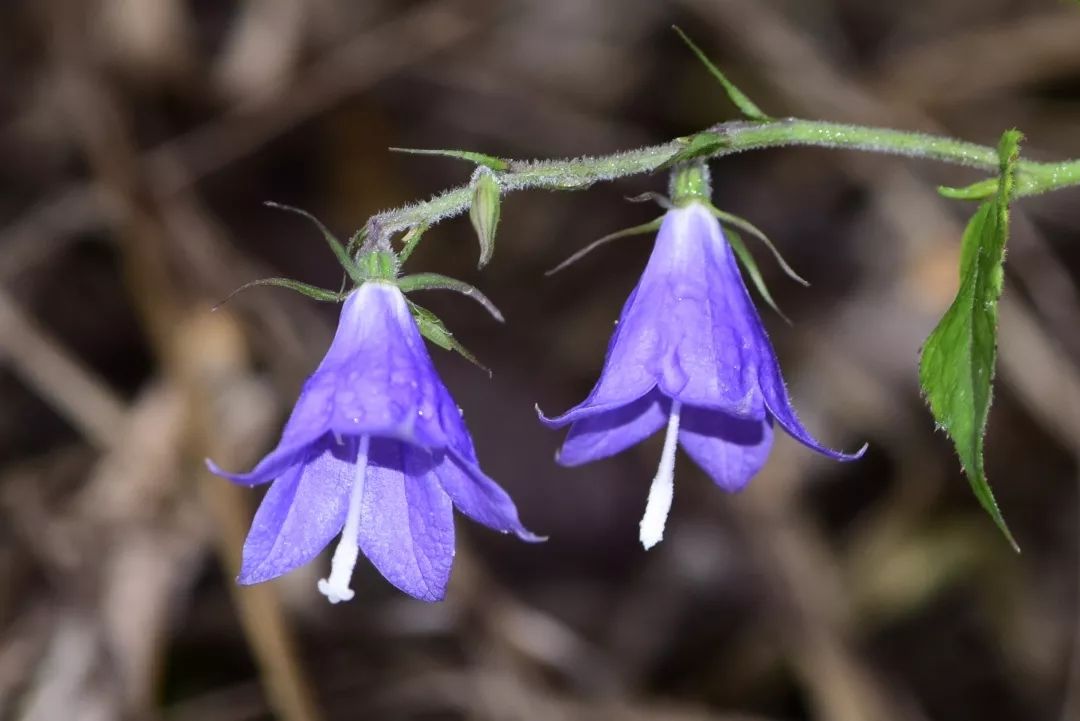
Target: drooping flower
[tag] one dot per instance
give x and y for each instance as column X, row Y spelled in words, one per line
column 377, row 451
column 690, row 354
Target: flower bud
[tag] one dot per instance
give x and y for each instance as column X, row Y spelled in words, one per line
column 484, row 212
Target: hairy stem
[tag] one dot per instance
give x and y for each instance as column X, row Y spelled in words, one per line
column 723, row 139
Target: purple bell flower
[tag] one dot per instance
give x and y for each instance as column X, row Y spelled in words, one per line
column 689, row 353
column 375, row 450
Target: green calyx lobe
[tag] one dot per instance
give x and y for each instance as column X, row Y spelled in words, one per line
column 378, row 265
column 435, row 331
column 645, row 228
column 734, row 226
column 383, row 266
column 691, row 183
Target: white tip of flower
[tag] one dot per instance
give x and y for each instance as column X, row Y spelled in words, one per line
column 336, row 586
column 657, row 509
column 662, row 490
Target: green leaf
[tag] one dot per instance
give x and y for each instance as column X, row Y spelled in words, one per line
column 730, row 219
column 650, row 227
column 311, row 291
column 467, row 155
column 696, row 146
column 958, row 360
column 433, row 329
column 339, row 250
column 752, row 270
column 436, row 281
column 736, row 96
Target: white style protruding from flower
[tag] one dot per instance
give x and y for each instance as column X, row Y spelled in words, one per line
column 663, row 486
column 336, row 586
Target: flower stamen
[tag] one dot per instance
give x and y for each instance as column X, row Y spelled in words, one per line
column 336, row 586
column 663, row 486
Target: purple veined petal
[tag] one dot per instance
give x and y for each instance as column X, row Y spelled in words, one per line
column 606, row 434
column 480, row 498
column 457, row 433
column 700, row 301
column 407, row 520
column 276, row 463
column 707, row 357
column 300, row 514
column 687, row 328
column 769, row 379
column 585, row 410
column 730, row 450
column 376, row 379
column 779, row 405
column 627, row 373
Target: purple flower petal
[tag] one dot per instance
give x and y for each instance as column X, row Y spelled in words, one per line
column 624, row 383
column 688, row 328
column 779, row 405
column 611, row 432
column 458, row 438
column 407, row 520
column 274, row 464
column 753, row 337
column 481, row 498
column 376, row 379
column 696, row 297
column 731, row 450
column 300, row 514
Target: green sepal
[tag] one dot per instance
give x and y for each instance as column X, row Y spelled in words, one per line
column 356, row 241
column 484, row 212
column 652, row 197
column 976, row 191
column 436, row 281
column 956, row 370
column 745, row 105
column 311, row 291
column 730, row 219
column 699, row 145
column 342, row 255
column 752, row 270
column 488, row 161
column 650, row 227
column 433, row 329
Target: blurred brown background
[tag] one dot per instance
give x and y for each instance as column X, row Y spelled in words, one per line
column 138, row 140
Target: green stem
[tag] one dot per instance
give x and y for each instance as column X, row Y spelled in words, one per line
column 727, row 138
